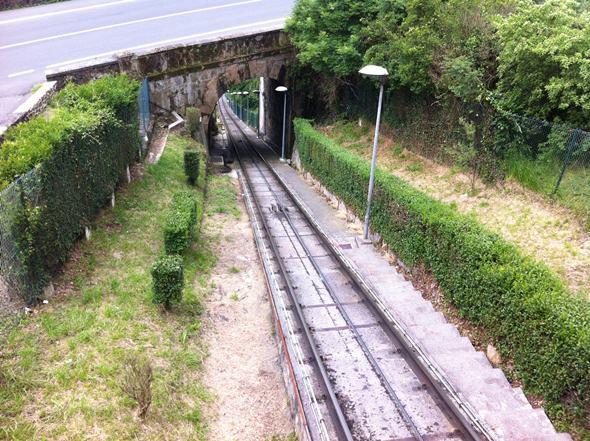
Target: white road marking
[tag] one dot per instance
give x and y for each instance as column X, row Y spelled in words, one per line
column 162, row 42
column 66, row 11
column 117, row 25
column 18, row 74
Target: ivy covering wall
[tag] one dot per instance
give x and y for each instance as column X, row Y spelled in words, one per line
column 65, row 165
column 535, row 320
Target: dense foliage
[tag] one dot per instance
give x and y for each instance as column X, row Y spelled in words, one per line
column 74, row 158
column 517, row 55
column 180, row 223
column 327, row 34
column 536, row 321
column 544, row 64
column 76, row 111
column 167, row 280
column 192, row 160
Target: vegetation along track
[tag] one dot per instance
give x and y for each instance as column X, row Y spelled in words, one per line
column 366, row 379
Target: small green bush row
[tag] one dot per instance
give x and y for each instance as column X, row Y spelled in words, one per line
column 192, row 160
column 180, row 222
column 192, row 120
column 167, row 280
column 536, row 321
column 69, row 162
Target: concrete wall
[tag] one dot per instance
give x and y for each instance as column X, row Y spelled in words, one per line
column 33, row 106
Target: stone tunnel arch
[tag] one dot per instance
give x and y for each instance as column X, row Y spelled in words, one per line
column 195, row 74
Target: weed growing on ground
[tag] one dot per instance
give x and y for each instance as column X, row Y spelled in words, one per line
column 137, row 382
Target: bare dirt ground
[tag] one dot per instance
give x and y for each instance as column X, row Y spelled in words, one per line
column 242, row 370
column 540, row 227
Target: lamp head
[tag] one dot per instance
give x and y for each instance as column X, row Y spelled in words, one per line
column 281, row 89
column 372, row 71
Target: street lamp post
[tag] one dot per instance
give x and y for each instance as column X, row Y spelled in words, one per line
column 379, row 73
column 283, row 90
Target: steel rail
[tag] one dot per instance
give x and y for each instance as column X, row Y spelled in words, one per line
column 273, row 286
column 344, row 429
column 471, row 422
column 358, row 337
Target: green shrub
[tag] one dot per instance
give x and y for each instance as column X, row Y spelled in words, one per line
column 180, row 222
column 69, row 163
column 167, row 280
column 191, row 165
column 192, row 120
column 536, row 321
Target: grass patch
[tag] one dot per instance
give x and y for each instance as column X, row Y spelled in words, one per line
column 541, row 177
column 223, row 197
column 62, row 369
column 415, row 167
column 290, row 437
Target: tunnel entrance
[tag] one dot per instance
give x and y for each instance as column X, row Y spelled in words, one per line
column 260, row 106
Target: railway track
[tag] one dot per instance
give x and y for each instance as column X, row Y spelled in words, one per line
column 359, row 375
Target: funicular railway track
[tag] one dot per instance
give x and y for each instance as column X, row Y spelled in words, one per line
column 366, row 378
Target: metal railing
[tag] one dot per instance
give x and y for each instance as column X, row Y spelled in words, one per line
column 250, row 117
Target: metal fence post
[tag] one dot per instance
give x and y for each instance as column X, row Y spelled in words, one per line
column 573, row 143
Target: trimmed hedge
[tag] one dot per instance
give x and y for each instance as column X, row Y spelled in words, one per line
column 192, row 120
column 180, row 222
column 537, row 322
column 167, row 280
column 69, row 163
column 192, row 159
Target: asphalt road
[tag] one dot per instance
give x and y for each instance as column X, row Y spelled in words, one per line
column 44, row 37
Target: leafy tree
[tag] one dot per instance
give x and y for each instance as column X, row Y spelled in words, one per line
column 328, row 34
column 545, row 61
column 418, row 40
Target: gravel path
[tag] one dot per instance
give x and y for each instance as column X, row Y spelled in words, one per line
column 242, row 370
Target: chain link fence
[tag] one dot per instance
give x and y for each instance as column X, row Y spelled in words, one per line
column 15, row 286
column 550, row 158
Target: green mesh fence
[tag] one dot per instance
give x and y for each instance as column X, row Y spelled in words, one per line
column 11, row 206
column 248, row 116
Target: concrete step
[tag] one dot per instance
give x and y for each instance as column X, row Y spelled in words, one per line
column 426, row 318
column 437, row 331
column 449, row 346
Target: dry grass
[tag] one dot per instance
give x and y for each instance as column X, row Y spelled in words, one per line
column 540, row 227
column 63, row 367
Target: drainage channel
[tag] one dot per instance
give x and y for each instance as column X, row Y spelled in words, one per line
column 368, row 385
